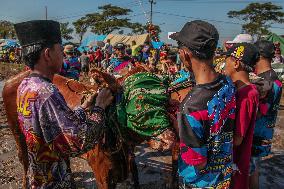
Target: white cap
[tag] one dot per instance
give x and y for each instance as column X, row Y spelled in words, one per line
column 242, row 38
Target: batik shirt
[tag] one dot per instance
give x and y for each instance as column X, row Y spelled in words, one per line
column 206, row 123
column 53, row 132
column 268, row 107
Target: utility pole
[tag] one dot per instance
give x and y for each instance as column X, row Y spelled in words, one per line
column 151, row 13
column 45, row 12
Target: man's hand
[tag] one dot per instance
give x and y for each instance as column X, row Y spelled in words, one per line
column 88, row 102
column 104, row 98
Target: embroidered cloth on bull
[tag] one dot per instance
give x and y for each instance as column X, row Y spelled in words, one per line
column 143, row 107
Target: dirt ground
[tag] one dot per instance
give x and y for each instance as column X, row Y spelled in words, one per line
column 154, row 167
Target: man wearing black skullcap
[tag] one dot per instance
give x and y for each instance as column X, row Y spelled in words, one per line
column 206, row 115
column 53, row 132
column 268, row 108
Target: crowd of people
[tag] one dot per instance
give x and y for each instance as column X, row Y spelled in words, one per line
column 225, row 123
column 10, row 55
column 119, row 58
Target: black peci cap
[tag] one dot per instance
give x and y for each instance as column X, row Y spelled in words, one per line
column 198, row 35
column 38, row 32
column 245, row 52
column 266, row 48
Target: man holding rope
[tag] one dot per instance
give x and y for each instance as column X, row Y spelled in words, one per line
column 53, row 132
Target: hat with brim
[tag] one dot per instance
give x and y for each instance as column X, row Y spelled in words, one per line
column 242, row 38
column 197, row 35
column 176, row 36
column 247, row 53
column 69, row 49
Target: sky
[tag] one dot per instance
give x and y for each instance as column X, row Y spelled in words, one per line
column 170, row 15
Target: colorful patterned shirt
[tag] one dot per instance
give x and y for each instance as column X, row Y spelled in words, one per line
column 53, row 132
column 118, row 64
column 206, row 123
column 182, row 76
column 268, row 108
column 72, row 67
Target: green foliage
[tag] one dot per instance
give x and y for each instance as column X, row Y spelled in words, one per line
column 81, row 27
column 66, row 32
column 108, row 20
column 138, row 28
column 7, row 29
column 259, row 17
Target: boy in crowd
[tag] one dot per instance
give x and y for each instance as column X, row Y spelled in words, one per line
column 271, row 92
column 241, row 58
column 206, row 117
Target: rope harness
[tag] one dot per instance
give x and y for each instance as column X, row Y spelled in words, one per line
column 178, row 87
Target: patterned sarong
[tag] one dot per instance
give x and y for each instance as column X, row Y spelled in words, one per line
column 143, row 106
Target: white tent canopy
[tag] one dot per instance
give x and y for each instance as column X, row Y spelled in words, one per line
column 139, row 39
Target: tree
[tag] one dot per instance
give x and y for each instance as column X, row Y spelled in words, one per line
column 138, row 28
column 108, row 20
column 259, row 17
column 66, row 32
column 153, row 30
column 81, row 27
column 7, row 29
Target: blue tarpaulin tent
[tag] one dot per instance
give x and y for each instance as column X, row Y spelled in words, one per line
column 157, row 45
column 90, row 40
column 8, row 43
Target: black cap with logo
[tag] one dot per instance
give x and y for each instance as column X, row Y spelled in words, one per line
column 247, row 53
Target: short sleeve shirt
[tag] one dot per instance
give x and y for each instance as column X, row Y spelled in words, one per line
column 206, row 123
column 85, row 60
column 53, row 132
column 247, row 106
column 268, row 108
